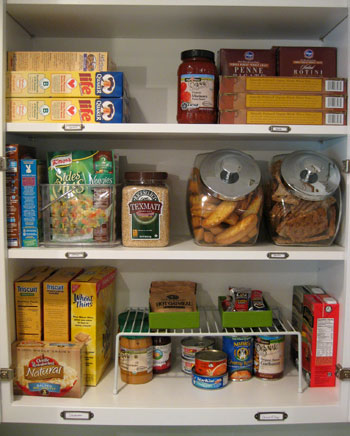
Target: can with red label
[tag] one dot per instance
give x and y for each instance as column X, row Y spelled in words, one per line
column 211, row 362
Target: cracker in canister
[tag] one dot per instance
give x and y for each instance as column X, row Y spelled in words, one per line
column 196, row 221
column 220, row 213
column 249, row 236
column 208, row 237
column 232, row 219
column 198, row 234
column 237, row 232
column 254, row 207
column 217, row 229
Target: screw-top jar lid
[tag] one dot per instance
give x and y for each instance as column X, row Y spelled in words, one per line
column 230, row 174
column 311, row 175
column 140, row 176
column 195, row 53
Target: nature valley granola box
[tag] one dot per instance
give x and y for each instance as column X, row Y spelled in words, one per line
column 49, row 369
column 92, row 317
column 56, row 304
column 28, row 301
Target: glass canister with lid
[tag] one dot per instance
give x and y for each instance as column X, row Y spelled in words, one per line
column 303, row 200
column 225, row 199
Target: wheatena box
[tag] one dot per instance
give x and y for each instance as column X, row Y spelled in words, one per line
column 92, row 308
column 49, row 369
column 28, row 301
column 56, row 304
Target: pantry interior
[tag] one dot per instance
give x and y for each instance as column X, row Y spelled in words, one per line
column 145, row 40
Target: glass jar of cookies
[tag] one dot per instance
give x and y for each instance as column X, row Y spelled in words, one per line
column 303, row 202
column 225, row 199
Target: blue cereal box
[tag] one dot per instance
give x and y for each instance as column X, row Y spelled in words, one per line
column 31, row 177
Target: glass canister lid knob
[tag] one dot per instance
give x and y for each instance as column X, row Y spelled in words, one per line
column 230, row 174
column 311, row 175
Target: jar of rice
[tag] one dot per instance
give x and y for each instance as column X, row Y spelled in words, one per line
column 145, row 210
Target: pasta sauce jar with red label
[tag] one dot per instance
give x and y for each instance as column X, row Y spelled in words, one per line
column 197, row 82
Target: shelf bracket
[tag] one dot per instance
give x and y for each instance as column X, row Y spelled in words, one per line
column 346, row 166
column 3, row 163
column 342, row 373
column 7, row 374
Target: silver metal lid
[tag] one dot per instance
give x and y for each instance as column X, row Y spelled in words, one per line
column 230, row 174
column 311, row 175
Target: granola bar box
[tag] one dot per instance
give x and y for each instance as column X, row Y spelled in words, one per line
column 92, row 317
column 49, row 369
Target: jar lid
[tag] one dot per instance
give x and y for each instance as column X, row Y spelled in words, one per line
column 230, row 174
column 196, row 53
column 145, row 175
column 311, row 175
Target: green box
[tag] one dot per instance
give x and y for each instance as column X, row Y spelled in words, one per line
column 173, row 320
column 250, row 318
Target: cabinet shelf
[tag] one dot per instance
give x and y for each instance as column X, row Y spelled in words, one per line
column 183, row 249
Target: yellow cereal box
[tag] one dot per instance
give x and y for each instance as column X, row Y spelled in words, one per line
column 66, row 110
column 56, row 307
column 56, row 61
column 28, row 301
column 92, row 319
column 49, row 369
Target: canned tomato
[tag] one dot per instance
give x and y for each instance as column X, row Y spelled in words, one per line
column 269, row 357
column 211, row 362
column 239, row 350
column 187, row 365
column 207, row 382
column 191, row 346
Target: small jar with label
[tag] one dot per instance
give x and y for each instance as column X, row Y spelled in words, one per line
column 145, row 210
column 161, row 354
column 197, row 83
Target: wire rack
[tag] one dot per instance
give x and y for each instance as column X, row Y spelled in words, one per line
column 210, row 325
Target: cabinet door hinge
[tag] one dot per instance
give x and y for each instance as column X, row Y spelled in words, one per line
column 3, row 163
column 346, row 166
column 7, row 374
column 342, row 373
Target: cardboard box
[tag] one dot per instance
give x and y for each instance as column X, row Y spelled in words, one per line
column 33, row 173
column 307, row 61
column 337, row 86
column 63, row 110
column 28, row 301
column 245, row 100
column 238, row 62
column 49, row 369
column 92, row 317
column 320, row 339
column 57, row 61
column 14, row 153
column 283, row 116
column 56, row 304
column 64, row 84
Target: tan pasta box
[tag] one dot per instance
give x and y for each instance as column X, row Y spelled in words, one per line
column 56, row 307
column 56, row 61
column 28, row 301
column 49, row 369
column 92, row 319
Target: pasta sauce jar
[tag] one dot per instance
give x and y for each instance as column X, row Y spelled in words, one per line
column 197, row 82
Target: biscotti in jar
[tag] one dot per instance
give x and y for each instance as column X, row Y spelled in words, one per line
column 145, row 210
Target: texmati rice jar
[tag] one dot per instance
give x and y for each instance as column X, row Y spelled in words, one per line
column 145, row 210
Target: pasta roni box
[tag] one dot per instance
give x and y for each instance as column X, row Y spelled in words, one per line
column 49, row 369
column 32, row 175
column 67, row 110
column 92, row 306
column 56, row 304
column 64, row 84
column 320, row 339
column 28, row 301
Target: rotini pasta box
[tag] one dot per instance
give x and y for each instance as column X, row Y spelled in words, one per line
column 92, row 308
column 49, row 369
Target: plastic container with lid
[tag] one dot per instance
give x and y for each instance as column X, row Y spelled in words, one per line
column 197, row 84
column 225, row 199
column 135, row 352
column 304, row 200
column 145, row 210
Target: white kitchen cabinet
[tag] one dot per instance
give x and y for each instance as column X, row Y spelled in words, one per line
column 145, row 38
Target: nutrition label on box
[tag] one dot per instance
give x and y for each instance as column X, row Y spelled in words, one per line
column 325, row 334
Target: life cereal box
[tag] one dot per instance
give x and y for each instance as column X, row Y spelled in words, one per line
column 64, row 84
column 92, row 321
column 49, row 369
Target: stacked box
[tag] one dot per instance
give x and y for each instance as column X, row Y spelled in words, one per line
column 28, row 301
column 14, row 153
column 320, row 339
column 56, row 304
column 238, row 62
column 92, row 319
